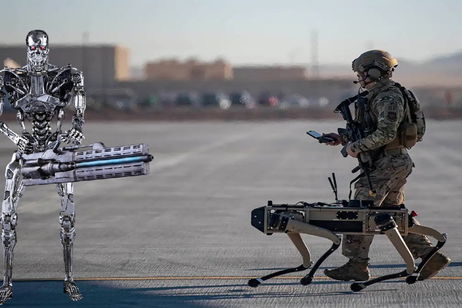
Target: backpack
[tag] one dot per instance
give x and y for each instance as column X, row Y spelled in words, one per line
column 412, row 129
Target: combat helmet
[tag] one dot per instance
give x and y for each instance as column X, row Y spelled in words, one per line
column 375, row 64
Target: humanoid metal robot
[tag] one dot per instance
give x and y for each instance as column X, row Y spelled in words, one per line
column 40, row 92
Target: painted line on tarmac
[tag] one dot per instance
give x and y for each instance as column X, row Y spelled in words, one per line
column 197, row 278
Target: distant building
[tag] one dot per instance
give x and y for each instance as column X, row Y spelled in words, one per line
column 102, row 65
column 188, row 70
column 271, row 73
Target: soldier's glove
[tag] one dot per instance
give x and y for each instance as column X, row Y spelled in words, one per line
column 24, row 145
column 336, row 139
column 351, row 151
column 73, row 136
column 343, row 133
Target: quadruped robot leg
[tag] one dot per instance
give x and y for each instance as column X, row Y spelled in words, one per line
column 389, row 228
column 343, row 217
column 303, row 250
column 293, row 228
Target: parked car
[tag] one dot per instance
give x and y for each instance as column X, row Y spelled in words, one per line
column 167, row 99
column 215, row 99
column 266, row 99
column 242, row 98
column 116, row 98
column 187, row 99
column 294, row 100
column 150, row 102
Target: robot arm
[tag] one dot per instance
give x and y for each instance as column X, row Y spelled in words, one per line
column 21, row 142
column 75, row 134
column 79, row 101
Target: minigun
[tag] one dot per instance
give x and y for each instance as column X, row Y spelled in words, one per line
column 84, row 163
column 354, row 132
column 327, row 220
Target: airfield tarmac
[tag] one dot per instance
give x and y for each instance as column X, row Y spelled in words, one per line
column 181, row 236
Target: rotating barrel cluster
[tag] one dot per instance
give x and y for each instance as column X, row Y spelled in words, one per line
column 85, row 163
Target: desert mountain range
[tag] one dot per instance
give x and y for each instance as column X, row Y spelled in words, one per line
column 442, row 71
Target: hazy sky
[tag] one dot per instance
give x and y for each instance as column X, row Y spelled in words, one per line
column 259, row 31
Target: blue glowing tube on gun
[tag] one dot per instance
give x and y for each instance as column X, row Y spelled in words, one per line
column 88, row 163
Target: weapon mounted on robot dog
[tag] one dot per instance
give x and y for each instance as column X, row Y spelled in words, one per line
column 84, row 163
column 327, row 220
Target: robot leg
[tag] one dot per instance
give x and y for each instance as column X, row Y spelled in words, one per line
column 13, row 192
column 67, row 234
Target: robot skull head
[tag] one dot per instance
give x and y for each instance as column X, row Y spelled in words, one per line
column 37, row 49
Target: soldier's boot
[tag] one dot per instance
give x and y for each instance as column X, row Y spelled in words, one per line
column 434, row 265
column 352, row 270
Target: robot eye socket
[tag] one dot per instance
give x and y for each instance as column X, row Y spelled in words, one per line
column 32, row 47
column 43, row 47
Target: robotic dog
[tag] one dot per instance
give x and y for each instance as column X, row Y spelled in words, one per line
column 327, row 220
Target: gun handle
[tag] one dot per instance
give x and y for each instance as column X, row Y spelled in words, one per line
column 342, row 131
column 344, row 151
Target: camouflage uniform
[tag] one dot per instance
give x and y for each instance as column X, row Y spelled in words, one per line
column 391, row 166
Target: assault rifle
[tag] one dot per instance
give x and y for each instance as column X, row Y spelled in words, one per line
column 354, row 132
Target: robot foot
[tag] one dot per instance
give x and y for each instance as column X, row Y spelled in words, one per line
column 6, row 293
column 71, row 289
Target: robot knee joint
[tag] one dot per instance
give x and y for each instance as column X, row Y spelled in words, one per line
column 9, row 220
column 66, row 221
column 67, row 229
column 9, row 239
column 67, row 236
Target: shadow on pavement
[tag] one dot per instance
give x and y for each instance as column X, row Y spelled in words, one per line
column 396, row 265
column 187, row 294
column 103, row 294
column 96, row 294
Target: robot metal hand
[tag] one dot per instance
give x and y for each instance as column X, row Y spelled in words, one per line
column 73, row 136
column 24, row 145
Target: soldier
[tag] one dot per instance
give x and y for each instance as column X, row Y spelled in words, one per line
column 382, row 120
